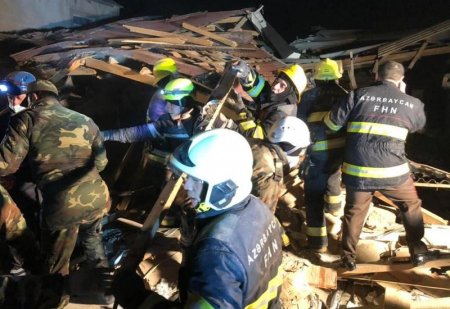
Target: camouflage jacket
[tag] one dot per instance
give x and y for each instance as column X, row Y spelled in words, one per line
column 269, row 169
column 12, row 223
column 65, row 152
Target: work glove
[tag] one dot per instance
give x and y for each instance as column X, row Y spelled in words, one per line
column 245, row 73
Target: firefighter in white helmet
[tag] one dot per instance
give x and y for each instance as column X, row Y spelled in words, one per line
column 276, row 156
column 234, row 260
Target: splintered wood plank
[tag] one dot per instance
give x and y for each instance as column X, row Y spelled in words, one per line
column 392, row 47
column 82, row 71
column 239, row 25
column 211, row 35
column 418, row 55
column 229, row 20
column 150, row 58
column 164, row 201
column 175, row 54
column 51, row 48
column 119, row 70
column 382, row 267
column 166, row 40
column 158, row 33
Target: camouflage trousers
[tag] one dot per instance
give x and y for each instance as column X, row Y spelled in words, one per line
column 59, row 245
column 14, row 231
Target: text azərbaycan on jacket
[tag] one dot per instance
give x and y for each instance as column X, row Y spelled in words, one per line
column 378, row 120
column 235, row 259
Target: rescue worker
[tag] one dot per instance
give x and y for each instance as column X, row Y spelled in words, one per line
column 164, row 71
column 234, row 260
column 65, row 152
column 322, row 173
column 276, row 156
column 20, row 240
column 284, row 97
column 165, row 134
column 23, row 247
column 378, row 119
column 23, row 190
column 20, row 79
column 171, row 129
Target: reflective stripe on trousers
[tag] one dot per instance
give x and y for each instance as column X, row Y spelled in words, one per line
column 332, row 199
column 316, row 231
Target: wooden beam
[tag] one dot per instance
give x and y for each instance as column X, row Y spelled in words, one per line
column 428, row 216
column 418, row 55
column 162, row 41
column 148, row 57
column 228, row 20
column 164, row 201
column 366, row 61
column 158, row 33
column 82, row 71
column 119, row 70
column 390, row 48
column 210, row 35
column 351, row 73
column 239, row 25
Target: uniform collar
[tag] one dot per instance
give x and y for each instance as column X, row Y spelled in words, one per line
column 48, row 101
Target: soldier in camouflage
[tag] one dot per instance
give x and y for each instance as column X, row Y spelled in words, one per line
column 276, row 156
column 65, row 152
column 17, row 236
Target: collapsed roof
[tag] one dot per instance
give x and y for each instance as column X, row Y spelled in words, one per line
column 203, row 42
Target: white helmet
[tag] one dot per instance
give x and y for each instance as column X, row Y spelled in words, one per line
column 290, row 133
column 222, row 161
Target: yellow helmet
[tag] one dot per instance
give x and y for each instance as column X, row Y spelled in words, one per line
column 297, row 76
column 327, row 70
column 164, row 67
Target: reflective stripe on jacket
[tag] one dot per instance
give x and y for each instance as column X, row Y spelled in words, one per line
column 235, row 259
column 313, row 107
column 266, row 115
column 378, row 119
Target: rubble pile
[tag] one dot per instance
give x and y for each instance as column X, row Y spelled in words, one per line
column 201, row 44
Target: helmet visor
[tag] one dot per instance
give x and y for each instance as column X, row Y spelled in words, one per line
column 181, row 154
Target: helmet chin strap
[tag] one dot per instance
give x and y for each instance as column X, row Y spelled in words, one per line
column 29, row 103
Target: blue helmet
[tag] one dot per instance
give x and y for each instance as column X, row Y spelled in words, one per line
column 21, row 79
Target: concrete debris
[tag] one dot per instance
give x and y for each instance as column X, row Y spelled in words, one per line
column 380, row 219
column 166, row 289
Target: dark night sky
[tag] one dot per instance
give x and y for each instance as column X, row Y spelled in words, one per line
column 294, row 18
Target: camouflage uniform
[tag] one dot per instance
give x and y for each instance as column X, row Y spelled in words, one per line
column 65, row 152
column 269, row 167
column 15, row 233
